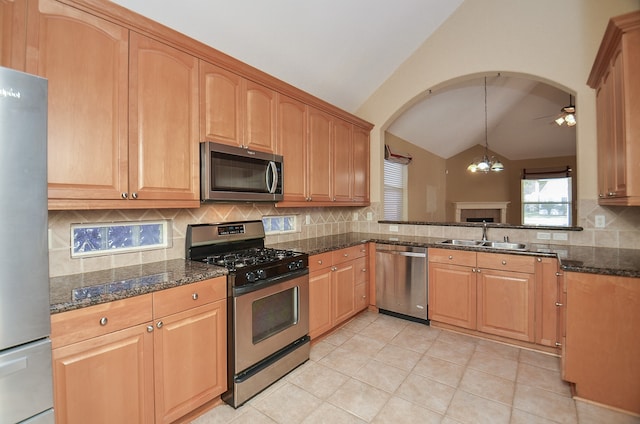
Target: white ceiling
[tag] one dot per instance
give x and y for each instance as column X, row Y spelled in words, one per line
column 335, row 50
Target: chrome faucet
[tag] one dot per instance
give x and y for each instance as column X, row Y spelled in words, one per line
column 484, row 231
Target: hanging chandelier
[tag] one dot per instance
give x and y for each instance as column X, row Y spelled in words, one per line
column 568, row 114
column 486, row 163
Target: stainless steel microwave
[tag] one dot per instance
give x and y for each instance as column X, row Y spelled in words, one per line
column 229, row 173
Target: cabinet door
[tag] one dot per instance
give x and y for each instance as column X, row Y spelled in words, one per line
column 506, row 304
column 163, row 151
column 361, row 160
column 292, row 144
column 342, row 161
column 548, row 302
column 319, row 154
column 260, row 118
column 106, row 379
column 344, row 296
column 452, row 295
column 605, row 128
column 190, row 350
column 87, row 124
column 13, row 33
column 320, row 302
column 220, row 105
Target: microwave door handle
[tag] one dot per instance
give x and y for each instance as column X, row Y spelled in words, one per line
column 273, row 170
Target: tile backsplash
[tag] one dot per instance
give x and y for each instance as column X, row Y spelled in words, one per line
column 622, row 229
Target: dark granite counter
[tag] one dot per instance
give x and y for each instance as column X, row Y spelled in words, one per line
column 594, row 260
column 81, row 290
column 91, row 288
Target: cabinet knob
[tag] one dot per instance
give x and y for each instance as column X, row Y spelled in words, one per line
column 559, row 304
column 558, row 274
column 504, row 262
column 319, row 262
column 363, row 251
column 539, row 259
column 149, row 328
column 333, row 268
column 611, row 194
column 194, row 296
column 159, row 324
column 346, row 255
column 558, row 344
column 104, row 321
column 478, row 270
column 134, row 195
column 364, row 269
column 125, row 195
column 450, row 257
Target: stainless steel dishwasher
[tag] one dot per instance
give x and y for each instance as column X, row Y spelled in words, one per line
column 401, row 281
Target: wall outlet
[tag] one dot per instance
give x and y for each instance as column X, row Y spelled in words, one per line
column 355, row 216
column 369, row 216
column 600, row 223
column 307, row 219
column 393, row 228
column 543, row 236
column 560, row 236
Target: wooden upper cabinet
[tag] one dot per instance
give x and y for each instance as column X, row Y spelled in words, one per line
column 163, row 138
column 342, row 161
column 361, row 163
column 320, row 156
column 221, row 108
column 87, row 122
column 292, row 144
column 617, row 103
column 236, row 111
column 260, row 117
column 13, row 33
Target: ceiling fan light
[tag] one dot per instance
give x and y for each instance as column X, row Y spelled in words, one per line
column 570, row 119
column 560, row 120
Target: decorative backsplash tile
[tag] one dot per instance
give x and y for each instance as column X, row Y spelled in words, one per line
column 622, row 229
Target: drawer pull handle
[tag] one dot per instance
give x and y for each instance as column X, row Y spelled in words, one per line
column 558, row 344
column 104, row 321
column 559, row 304
column 194, row 296
column 504, row 262
column 149, row 328
column 159, row 324
column 558, row 274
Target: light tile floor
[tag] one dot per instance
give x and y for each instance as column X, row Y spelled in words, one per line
column 381, row 369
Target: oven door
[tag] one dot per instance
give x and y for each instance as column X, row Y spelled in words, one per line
column 269, row 319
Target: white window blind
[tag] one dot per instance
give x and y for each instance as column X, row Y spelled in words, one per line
column 394, row 188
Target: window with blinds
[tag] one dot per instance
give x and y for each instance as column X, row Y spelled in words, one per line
column 546, row 197
column 394, row 189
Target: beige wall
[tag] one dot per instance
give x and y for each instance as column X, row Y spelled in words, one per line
column 548, row 40
column 426, row 194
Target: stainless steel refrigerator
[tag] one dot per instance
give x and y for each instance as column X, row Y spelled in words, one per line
column 26, row 386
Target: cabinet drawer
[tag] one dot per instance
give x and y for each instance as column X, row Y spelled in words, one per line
column 348, row 253
column 319, row 261
column 361, row 270
column 452, row 257
column 82, row 324
column 178, row 299
column 506, row 262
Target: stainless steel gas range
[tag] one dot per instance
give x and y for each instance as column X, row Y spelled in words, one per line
column 268, row 304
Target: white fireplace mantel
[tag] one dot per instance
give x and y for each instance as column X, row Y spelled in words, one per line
column 502, row 206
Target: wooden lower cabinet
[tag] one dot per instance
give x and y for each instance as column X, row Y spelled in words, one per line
column 338, row 287
column 601, row 353
column 488, row 292
column 147, row 359
column 106, row 379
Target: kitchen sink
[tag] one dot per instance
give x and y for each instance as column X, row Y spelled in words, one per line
column 486, row 244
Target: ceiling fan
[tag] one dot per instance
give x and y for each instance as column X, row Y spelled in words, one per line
column 567, row 115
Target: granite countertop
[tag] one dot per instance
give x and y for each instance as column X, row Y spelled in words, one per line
column 76, row 291
column 593, row 260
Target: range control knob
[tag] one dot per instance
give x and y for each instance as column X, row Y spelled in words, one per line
column 261, row 274
column 251, row 277
column 295, row 265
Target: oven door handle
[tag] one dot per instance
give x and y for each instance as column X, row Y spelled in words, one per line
column 272, row 183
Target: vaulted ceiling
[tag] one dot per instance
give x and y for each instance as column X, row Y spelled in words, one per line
column 335, row 50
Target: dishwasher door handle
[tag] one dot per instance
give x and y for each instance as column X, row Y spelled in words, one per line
column 399, row 253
